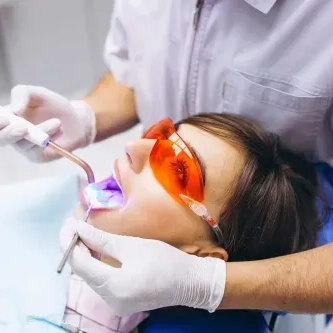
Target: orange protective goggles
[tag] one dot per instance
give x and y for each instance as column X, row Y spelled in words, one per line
column 177, row 170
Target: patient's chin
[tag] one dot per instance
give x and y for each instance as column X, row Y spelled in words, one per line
column 98, row 218
column 78, row 211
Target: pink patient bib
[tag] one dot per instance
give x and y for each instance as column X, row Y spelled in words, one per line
column 89, row 312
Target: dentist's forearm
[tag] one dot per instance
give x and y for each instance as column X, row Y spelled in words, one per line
column 114, row 107
column 298, row 283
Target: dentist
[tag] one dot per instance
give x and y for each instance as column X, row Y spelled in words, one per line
column 270, row 60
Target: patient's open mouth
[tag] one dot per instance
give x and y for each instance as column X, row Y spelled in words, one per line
column 105, row 194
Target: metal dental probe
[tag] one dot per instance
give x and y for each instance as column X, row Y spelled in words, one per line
column 72, row 244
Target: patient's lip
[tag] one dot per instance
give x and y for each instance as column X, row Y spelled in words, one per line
column 103, row 195
column 117, row 174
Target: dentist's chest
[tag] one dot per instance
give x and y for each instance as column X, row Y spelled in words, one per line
column 276, row 68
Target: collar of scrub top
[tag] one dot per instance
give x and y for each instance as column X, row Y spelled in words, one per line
column 262, row 5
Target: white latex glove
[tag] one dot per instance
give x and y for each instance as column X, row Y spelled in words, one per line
column 71, row 124
column 153, row 274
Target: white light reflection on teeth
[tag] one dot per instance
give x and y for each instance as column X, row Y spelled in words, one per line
column 104, row 194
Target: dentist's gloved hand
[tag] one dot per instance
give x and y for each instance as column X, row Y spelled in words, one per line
column 71, row 124
column 153, row 274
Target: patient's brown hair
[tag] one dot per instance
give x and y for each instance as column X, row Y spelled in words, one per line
column 272, row 209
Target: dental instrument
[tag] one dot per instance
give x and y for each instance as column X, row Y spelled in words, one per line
column 41, row 139
column 73, row 243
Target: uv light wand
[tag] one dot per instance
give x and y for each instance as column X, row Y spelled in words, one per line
column 41, row 139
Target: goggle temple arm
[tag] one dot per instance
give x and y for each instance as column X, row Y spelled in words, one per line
column 200, row 210
column 197, row 207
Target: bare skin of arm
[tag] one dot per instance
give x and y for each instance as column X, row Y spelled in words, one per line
column 114, row 107
column 298, row 283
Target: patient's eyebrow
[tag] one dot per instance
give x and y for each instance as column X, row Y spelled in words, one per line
column 201, row 162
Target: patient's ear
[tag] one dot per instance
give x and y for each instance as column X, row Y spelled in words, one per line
column 206, row 250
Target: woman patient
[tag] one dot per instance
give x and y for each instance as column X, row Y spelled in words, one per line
column 213, row 185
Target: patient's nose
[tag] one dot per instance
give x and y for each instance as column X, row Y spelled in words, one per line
column 138, row 152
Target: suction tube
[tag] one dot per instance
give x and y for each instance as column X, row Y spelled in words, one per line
column 85, row 166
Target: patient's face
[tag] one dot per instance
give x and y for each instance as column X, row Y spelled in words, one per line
column 150, row 212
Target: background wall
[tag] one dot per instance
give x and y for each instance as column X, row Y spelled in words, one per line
column 57, row 44
column 54, row 43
